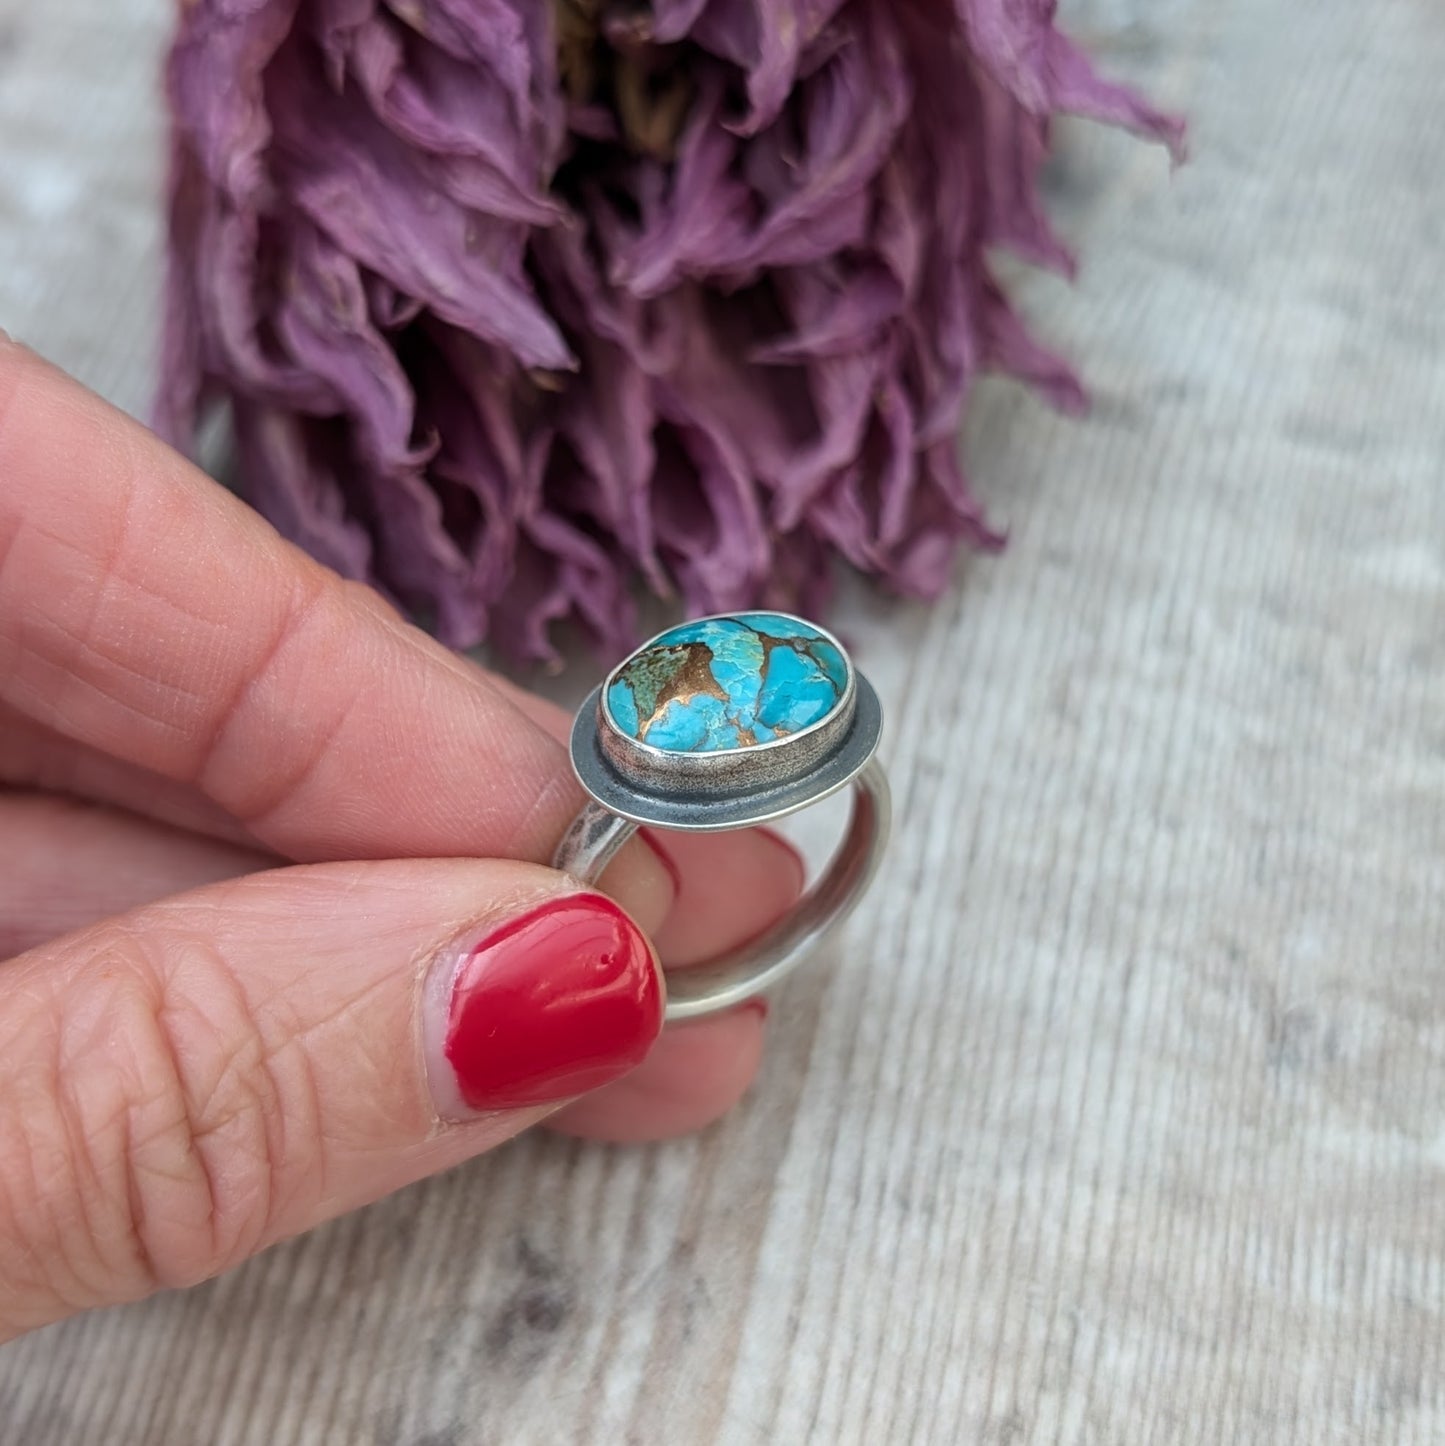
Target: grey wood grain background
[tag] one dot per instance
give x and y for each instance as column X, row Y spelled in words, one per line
column 1119, row 1115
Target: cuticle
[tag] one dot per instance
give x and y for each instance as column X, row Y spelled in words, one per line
column 436, row 981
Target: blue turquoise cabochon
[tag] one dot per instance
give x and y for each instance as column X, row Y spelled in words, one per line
column 728, row 683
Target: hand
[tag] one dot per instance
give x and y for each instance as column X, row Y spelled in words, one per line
column 203, row 1051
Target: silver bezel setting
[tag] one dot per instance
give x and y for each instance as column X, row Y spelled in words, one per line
column 739, row 788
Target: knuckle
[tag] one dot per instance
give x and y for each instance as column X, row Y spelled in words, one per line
column 310, row 624
column 19, row 369
column 144, row 1150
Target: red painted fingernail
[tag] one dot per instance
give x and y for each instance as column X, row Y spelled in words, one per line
column 554, row 1004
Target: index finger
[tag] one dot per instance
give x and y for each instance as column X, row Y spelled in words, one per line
column 146, row 612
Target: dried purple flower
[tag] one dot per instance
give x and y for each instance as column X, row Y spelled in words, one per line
column 519, row 301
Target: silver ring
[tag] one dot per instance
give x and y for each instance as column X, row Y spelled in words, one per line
column 725, row 723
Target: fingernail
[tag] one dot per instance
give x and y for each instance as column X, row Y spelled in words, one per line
column 553, row 1004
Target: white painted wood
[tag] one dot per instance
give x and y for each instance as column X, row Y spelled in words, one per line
column 1122, row 1115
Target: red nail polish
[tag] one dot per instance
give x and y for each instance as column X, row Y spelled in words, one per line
column 554, row 1004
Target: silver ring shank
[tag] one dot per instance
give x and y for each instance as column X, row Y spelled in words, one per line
column 596, row 836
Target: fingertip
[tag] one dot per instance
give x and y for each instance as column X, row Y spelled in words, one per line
column 662, row 857
column 791, row 858
column 696, row 1074
column 729, row 888
column 645, row 884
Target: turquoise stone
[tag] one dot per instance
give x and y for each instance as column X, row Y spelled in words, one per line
column 728, row 683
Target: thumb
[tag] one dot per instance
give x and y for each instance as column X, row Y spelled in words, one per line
column 190, row 1082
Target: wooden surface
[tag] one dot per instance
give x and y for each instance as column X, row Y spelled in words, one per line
column 1120, row 1115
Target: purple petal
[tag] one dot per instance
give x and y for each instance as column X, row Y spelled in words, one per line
column 700, row 218
column 325, row 324
column 289, row 468
column 440, row 106
column 380, row 201
column 215, row 85
column 491, row 352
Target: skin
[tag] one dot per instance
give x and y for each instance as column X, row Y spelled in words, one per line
column 242, row 804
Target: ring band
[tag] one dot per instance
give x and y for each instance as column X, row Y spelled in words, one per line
column 727, row 723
